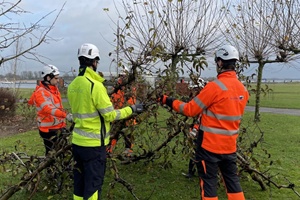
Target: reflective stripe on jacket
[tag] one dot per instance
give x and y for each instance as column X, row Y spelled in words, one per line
column 50, row 113
column 222, row 103
column 92, row 109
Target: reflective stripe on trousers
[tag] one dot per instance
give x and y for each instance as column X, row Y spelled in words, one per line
column 93, row 197
column 89, row 171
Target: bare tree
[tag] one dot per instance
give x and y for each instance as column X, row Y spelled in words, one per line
column 173, row 34
column 12, row 32
column 163, row 36
column 286, row 31
column 168, row 35
column 265, row 32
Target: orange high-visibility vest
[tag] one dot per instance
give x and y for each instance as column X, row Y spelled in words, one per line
column 50, row 112
column 222, row 103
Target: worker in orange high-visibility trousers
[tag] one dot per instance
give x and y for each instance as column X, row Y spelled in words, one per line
column 222, row 103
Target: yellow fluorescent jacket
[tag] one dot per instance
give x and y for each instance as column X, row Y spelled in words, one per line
column 92, row 110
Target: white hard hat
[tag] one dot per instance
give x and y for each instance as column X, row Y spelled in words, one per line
column 124, row 71
column 49, row 69
column 89, row 51
column 227, row 52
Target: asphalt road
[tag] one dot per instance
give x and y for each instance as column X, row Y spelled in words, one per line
column 295, row 112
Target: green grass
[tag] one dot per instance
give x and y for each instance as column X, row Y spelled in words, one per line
column 155, row 182
column 30, row 142
column 281, row 139
column 283, row 95
column 25, row 92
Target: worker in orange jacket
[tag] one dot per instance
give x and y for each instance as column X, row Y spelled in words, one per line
column 222, row 103
column 50, row 113
column 120, row 99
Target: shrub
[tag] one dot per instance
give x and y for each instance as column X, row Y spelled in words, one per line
column 8, row 103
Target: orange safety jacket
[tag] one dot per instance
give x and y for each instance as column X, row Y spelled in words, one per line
column 50, row 113
column 118, row 100
column 222, row 103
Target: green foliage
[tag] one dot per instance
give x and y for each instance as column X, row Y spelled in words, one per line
column 26, row 111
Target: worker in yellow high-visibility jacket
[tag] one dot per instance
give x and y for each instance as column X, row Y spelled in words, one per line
column 92, row 114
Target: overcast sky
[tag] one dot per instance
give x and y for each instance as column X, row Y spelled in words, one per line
column 79, row 22
column 85, row 21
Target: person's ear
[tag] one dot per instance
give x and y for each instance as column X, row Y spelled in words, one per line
column 96, row 62
column 220, row 63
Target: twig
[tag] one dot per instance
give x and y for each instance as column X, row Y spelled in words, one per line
column 16, row 156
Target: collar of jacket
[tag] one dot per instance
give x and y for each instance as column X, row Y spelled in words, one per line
column 227, row 74
column 92, row 74
column 51, row 88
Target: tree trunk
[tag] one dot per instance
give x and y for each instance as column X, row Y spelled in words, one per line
column 258, row 90
column 173, row 74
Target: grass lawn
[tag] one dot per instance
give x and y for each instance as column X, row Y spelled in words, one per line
column 281, row 140
column 156, row 181
column 281, row 95
column 153, row 181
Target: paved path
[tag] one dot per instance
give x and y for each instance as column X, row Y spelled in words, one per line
column 295, row 112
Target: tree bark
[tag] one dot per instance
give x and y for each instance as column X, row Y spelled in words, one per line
column 258, row 91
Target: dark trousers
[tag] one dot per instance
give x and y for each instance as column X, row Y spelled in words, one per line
column 192, row 167
column 208, row 166
column 192, row 163
column 49, row 139
column 89, row 170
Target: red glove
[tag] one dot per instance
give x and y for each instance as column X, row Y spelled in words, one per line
column 162, row 99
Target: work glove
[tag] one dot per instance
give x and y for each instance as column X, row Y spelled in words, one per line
column 69, row 117
column 162, row 99
column 137, row 108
